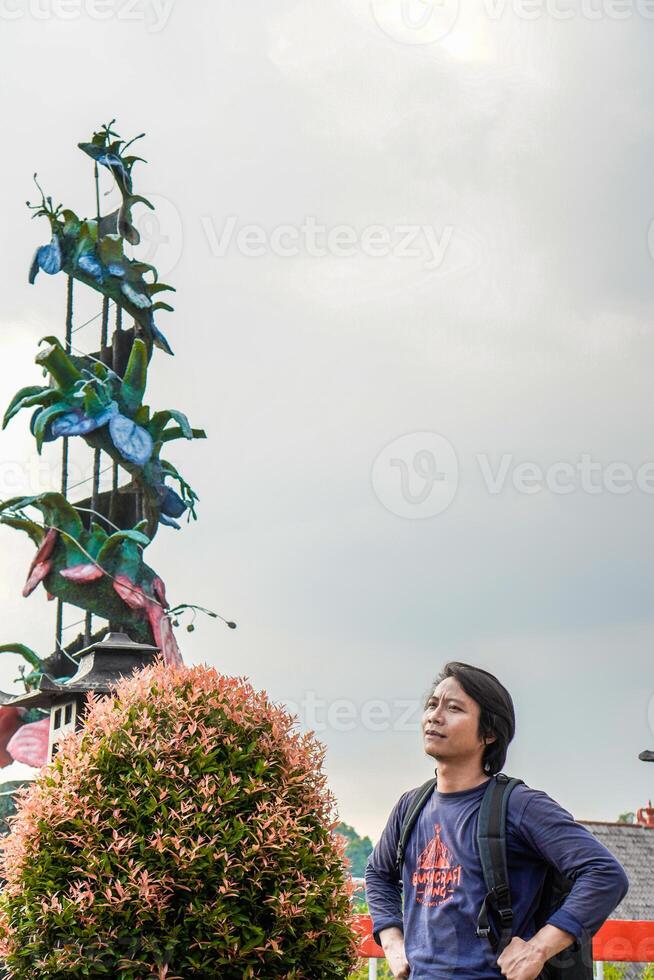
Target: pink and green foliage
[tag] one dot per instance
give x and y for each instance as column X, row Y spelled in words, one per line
column 186, row 832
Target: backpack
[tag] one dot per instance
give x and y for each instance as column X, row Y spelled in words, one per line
column 495, row 919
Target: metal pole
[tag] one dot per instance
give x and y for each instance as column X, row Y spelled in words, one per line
column 64, row 454
column 372, row 969
column 119, row 323
column 88, row 619
column 104, row 325
column 97, row 196
column 97, row 455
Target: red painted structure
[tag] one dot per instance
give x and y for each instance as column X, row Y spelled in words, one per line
column 626, row 941
column 645, row 816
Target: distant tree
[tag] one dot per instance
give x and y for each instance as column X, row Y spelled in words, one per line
column 357, row 850
column 629, row 817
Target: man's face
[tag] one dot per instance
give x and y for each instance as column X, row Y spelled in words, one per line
column 450, row 724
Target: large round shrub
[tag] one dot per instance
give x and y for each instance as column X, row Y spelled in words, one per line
column 185, row 832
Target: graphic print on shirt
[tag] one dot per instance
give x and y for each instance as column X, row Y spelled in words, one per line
column 436, row 875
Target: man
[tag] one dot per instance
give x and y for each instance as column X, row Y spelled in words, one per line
column 467, row 725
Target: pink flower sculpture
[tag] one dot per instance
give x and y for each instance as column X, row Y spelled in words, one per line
column 88, row 572
column 29, row 744
column 42, row 562
column 155, row 610
column 11, row 719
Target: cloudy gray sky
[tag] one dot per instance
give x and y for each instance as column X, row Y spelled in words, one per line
column 415, row 287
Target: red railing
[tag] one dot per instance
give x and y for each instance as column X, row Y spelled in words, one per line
column 619, row 940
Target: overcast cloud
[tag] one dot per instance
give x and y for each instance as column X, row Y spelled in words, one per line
column 382, row 220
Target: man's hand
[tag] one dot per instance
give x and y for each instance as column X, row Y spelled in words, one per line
column 392, row 941
column 525, row 961
column 398, row 964
column 521, row 961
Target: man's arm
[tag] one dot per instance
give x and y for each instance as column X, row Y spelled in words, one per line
column 384, row 892
column 383, row 884
column 599, row 884
column 599, row 880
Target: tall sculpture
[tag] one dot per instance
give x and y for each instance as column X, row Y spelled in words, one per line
column 90, row 552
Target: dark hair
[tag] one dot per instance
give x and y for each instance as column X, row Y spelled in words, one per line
column 496, row 712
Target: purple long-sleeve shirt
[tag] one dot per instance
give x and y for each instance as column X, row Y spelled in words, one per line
column 443, row 884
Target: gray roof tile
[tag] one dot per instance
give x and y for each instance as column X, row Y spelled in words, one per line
column 633, row 846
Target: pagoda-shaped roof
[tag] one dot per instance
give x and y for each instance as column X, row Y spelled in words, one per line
column 101, row 666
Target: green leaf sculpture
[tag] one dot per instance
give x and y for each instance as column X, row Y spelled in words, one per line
column 100, row 572
column 90, row 553
column 87, row 398
column 91, row 249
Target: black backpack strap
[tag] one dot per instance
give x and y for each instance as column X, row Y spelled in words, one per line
column 491, row 841
column 418, row 800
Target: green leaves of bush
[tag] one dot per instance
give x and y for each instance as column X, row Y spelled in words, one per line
column 187, row 832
